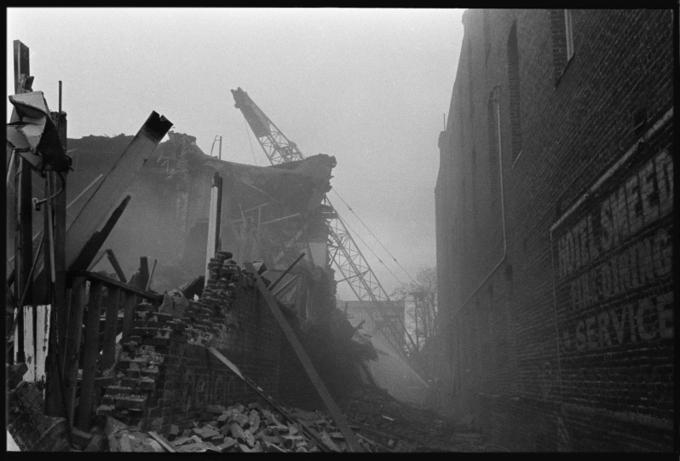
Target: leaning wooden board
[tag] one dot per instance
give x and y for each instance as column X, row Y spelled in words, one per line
column 309, row 431
column 314, row 377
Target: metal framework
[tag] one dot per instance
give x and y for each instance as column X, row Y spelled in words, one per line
column 343, row 251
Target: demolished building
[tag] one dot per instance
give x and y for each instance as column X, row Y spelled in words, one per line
column 161, row 375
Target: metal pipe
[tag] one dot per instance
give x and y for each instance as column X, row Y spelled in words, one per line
column 50, row 229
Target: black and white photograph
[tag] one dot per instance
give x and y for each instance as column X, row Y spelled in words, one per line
column 341, row 229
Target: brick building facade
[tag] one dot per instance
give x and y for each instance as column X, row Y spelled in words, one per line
column 554, row 225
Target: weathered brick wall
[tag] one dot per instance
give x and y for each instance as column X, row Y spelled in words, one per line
column 166, row 375
column 568, row 343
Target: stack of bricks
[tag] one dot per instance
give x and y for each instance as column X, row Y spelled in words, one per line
column 211, row 317
column 139, row 367
column 150, row 373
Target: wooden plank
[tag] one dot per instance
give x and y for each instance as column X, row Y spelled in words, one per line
column 93, row 276
column 314, row 377
column 59, row 312
column 116, row 266
column 214, row 211
column 91, row 347
column 42, row 335
column 16, row 333
column 128, row 312
column 29, row 344
column 142, row 276
column 91, row 247
column 164, row 443
column 63, row 336
column 109, row 190
column 109, row 347
column 73, row 337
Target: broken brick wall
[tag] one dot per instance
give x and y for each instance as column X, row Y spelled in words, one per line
column 546, row 348
column 167, row 375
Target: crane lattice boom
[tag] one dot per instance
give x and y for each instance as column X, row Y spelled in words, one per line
column 343, row 251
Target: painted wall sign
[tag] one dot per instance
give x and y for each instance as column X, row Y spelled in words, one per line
column 612, row 258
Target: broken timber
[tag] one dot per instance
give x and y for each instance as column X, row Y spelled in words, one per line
column 314, row 377
column 259, row 391
column 117, row 180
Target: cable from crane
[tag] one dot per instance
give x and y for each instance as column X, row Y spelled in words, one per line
column 373, row 252
column 375, row 236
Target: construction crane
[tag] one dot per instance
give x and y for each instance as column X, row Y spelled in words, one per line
column 343, row 251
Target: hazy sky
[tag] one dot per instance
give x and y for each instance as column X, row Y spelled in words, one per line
column 369, row 86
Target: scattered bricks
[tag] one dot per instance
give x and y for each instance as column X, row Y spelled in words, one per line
column 236, row 431
column 97, row 443
column 205, row 432
column 254, row 420
column 215, row 409
column 125, row 445
column 15, row 374
column 241, row 419
column 227, row 443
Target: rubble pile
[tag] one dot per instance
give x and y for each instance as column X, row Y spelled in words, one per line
column 26, row 421
column 138, row 367
column 206, row 322
column 401, row 427
column 239, row 428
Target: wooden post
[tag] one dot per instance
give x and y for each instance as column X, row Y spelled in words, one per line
column 29, row 342
column 143, row 273
column 109, row 349
column 213, row 244
column 128, row 313
column 116, row 266
column 314, row 377
column 90, row 358
column 23, row 254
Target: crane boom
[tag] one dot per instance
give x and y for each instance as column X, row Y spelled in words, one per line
column 343, row 252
